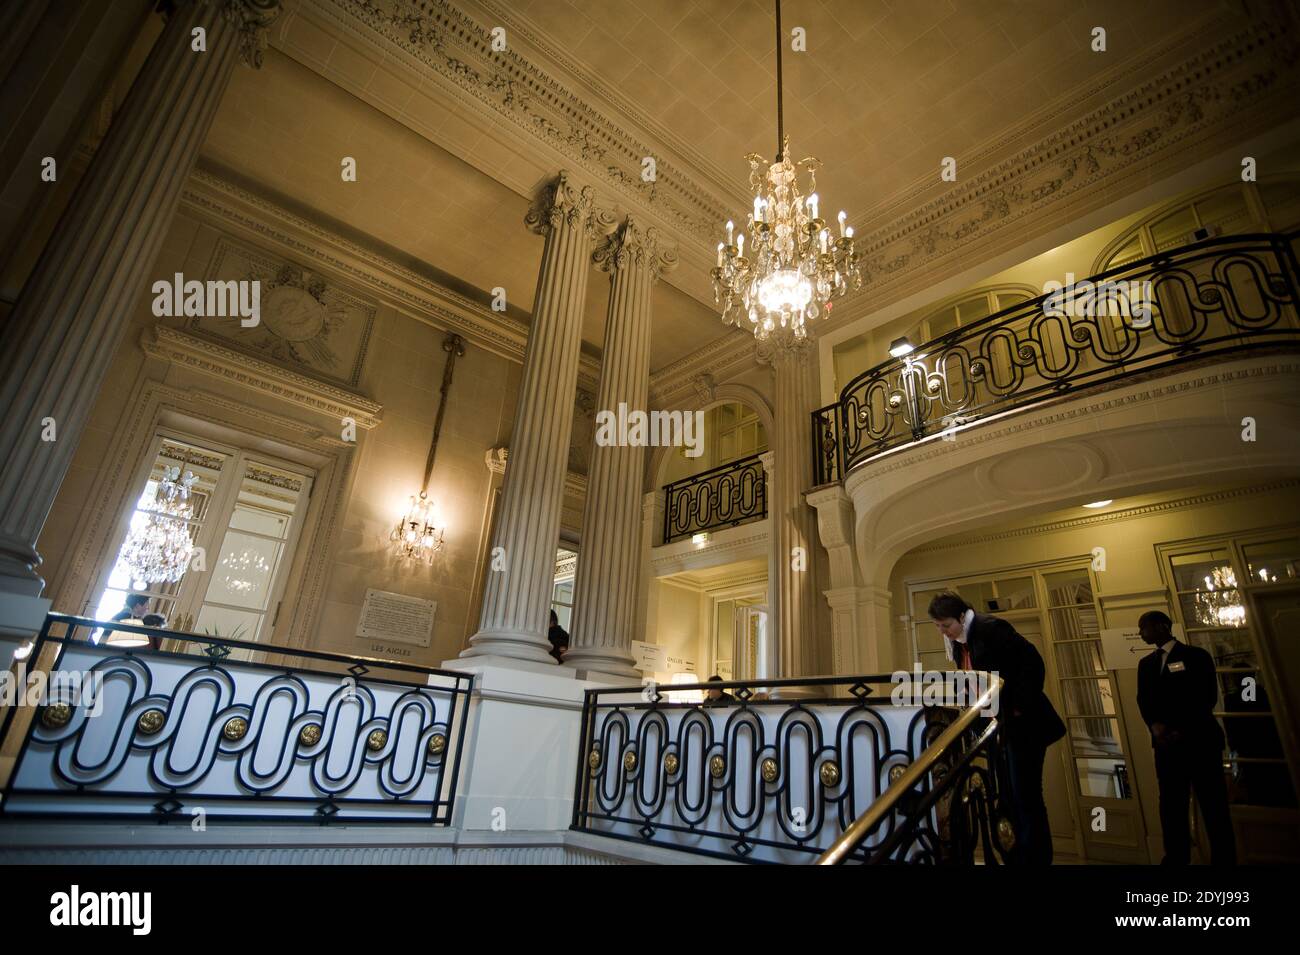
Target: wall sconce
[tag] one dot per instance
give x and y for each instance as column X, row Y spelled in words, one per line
column 419, row 533
column 699, row 540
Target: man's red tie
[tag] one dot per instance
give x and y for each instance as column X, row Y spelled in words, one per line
column 965, row 657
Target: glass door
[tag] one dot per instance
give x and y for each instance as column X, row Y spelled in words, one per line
column 215, row 559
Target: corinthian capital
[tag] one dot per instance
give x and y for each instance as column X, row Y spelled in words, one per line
column 564, row 204
column 636, row 246
column 251, row 18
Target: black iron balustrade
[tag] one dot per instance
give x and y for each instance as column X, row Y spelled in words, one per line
column 724, row 496
column 781, row 780
column 1216, row 298
column 164, row 735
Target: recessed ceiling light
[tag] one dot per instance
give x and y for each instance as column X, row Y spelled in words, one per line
column 1098, row 504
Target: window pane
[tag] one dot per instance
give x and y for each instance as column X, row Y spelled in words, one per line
column 1273, row 561
column 229, row 623
column 973, row 309
column 1079, row 659
column 1068, row 587
column 1015, row 593
column 1088, row 697
column 1173, row 229
column 1230, row 648
column 1103, row 777
column 1216, row 609
column 1130, row 251
column 1191, row 570
column 1095, row 737
column 1073, row 623
column 244, row 571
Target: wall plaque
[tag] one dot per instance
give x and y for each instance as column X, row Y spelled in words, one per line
column 396, row 618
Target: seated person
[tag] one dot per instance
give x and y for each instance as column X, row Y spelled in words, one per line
column 715, row 697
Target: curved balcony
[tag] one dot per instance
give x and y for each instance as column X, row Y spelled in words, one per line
column 1216, row 298
column 724, row 496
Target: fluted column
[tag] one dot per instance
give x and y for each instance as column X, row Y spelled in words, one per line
column 793, row 534
column 609, row 566
column 517, row 599
column 61, row 337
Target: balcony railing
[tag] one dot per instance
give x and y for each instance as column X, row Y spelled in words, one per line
column 1216, row 298
column 302, row 736
column 724, row 496
column 839, row 770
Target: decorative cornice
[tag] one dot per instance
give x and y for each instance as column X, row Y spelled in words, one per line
column 1128, row 513
column 228, row 206
column 723, row 358
column 168, row 344
column 1206, row 92
column 458, row 50
column 758, row 535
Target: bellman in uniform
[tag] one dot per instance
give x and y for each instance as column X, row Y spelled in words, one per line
column 1177, row 690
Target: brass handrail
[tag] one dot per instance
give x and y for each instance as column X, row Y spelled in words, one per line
column 866, row 823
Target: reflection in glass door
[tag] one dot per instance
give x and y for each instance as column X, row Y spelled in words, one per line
column 1208, row 580
column 243, row 515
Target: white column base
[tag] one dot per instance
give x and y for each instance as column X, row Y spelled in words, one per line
column 21, row 619
column 521, row 748
column 508, row 645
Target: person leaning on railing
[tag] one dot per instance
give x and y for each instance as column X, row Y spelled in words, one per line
column 1029, row 723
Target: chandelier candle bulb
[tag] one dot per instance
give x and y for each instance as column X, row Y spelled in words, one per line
column 740, row 245
column 812, row 205
column 731, row 228
column 719, row 255
column 841, row 217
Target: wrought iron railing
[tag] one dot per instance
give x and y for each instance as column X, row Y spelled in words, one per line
column 724, row 496
column 1214, row 298
column 960, row 816
column 299, row 736
column 779, row 771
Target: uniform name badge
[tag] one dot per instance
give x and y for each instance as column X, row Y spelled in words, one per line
column 1178, row 666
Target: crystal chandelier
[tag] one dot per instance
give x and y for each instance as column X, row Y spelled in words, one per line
column 1221, row 605
column 794, row 267
column 418, row 535
column 419, row 531
column 158, row 549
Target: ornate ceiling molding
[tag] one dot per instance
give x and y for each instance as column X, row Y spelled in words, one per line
column 231, row 208
column 1227, row 88
column 166, row 343
column 456, row 49
column 1211, row 96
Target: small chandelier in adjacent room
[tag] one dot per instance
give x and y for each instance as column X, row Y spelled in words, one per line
column 419, row 533
column 158, row 548
column 794, row 265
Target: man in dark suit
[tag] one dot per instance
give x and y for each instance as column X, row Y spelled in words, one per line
column 1177, row 690
column 1029, row 722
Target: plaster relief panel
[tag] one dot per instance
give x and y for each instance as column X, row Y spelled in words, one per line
column 307, row 324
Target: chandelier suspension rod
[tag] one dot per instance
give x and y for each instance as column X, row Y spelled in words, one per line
column 454, row 346
column 780, row 117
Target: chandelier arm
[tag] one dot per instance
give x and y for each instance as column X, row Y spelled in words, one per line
column 780, row 115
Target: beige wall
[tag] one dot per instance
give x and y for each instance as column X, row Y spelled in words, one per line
column 344, row 546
